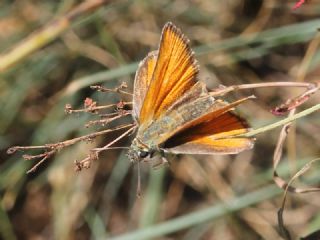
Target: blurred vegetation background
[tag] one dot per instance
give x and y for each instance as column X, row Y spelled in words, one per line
column 197, row 197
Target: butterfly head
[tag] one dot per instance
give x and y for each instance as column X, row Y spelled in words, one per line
column 139, row 151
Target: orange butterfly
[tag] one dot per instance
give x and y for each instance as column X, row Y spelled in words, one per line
column 174, row 112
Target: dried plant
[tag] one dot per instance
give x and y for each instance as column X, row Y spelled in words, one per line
column 92, row 107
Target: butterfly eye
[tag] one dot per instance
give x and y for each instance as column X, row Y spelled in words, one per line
column 143, row 154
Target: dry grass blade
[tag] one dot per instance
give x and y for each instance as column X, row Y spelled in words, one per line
column 47, row 34
column 281, row 183
column 288, row 188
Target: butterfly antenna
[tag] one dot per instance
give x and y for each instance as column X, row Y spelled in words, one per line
column 139, row 181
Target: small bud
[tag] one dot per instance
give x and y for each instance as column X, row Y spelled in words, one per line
column 12, row 150
column 68, row 108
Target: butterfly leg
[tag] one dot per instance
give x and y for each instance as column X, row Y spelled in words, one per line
column 161, row 160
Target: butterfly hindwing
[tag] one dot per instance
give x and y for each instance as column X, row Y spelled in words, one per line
column 212, row 137
column 210, row 145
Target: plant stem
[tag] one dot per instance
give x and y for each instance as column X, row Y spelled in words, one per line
column 281, row 122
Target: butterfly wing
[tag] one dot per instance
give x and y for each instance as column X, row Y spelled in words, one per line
column 142, row 81
column 174, row 74
column 212, row 137
column 187, row 116
column 210, row 145
column 217, row 109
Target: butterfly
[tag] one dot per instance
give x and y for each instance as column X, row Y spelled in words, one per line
column 174, row 112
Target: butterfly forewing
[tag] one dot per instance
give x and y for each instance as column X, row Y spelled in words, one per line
column 174, row 74
column 142, row 81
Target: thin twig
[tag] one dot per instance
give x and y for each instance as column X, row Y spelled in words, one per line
column 68, row 142
column 106, row 121
column 281, row 122
column 294, row 102
column 18, row 148
column 109, row 115
column 98, row 150
column 69, row 109
column 222, row 90
column 94, row 154
column 114, row 90
column 34, row 168
column 94, row 135
column 57, row 146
